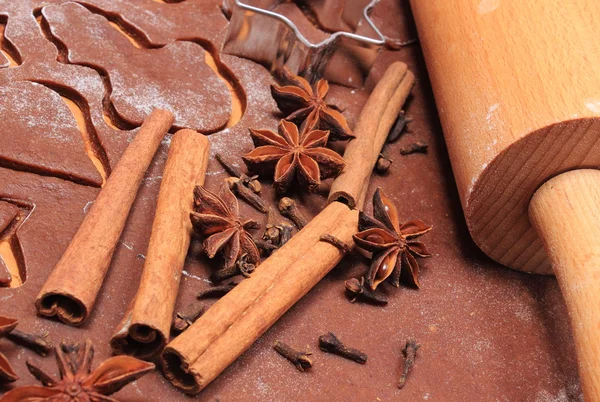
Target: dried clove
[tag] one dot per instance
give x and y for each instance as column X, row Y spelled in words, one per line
column 383, row 164
column 299, row 359
column 276, row 234
column 265, row 246
column 410, row 353
column 331, row 344
column 286, row 233
column 289, row 209
column 249, row 181
column 272, row 233
column 190, row 313
column 215, row 291
column 334, row 241
column 252, row 183
column 359, row 291
column 186, row 317
column 35, row 342
column 398, row 128
column 241, row 267
column 417, row 147
column 246, row 194
column 251, row 224
column 225, row 273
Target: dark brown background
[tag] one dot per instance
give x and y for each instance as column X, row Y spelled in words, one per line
column 486, row 333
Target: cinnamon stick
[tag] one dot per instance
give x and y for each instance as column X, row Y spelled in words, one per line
column 235, row 322
column 71, row 290
column 231, row 325
column 144, row 330
column 374, row 123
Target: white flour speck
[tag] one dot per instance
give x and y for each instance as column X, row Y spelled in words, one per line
column 490, row 114
column 187, row 274
column 87, row 206
column 128, row 246
column 487, row 6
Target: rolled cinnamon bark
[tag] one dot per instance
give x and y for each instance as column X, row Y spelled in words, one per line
column 230, row 326
column 144, row 330
column 71, row 290
column 197, row 356
column 374, row 124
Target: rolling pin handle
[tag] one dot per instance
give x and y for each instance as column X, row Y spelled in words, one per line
column 565, row 212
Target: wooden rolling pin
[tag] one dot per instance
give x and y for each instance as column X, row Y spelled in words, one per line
column 517, row 86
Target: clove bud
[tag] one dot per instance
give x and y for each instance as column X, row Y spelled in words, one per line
column 215, row 291
column 186, row 317
column 398, row 127
column 334, row 241
column 331, row 344
column 265, row 246
column 249, row 181
column 246, row 194
column 35, row 342
column 299, row 359
column 359, row 291
column 417, row 147
column 272, row 232
column 286, row 233
column 410, row 353
column 241, row 267
column 289, row 209
column 383, row 164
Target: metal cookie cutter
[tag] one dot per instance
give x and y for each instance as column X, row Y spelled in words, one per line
column 257, row 33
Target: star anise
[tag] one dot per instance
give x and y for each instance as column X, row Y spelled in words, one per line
column 392, row 244
column 7, row 374
column 291, row 154
column 303, row 104
column 77, row 382
column 216, row 218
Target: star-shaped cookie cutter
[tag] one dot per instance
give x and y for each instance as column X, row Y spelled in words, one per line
column 257, row 33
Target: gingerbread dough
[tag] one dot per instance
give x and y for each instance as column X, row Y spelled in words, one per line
column 39, row 134
column 174, row 77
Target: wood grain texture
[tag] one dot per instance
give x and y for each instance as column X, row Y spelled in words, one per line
column 144, row 330
column 565, row 212
column 517, row 89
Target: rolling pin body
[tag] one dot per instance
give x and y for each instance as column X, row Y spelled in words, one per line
column 566, row 214
column 517, row 86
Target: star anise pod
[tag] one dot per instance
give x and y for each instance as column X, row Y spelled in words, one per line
column 77, row 382
column 302, row 104
column 392, row 243
column 7, row 374
column 291, row 154
column 216, row 218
